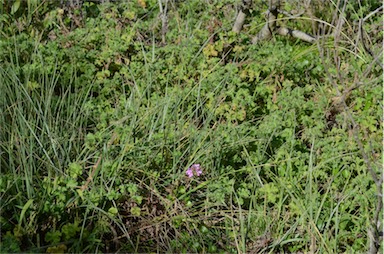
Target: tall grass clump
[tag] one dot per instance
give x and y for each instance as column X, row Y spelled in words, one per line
column 44, row 122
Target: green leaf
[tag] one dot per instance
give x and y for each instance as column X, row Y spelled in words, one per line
column 75, row 169
column 69, row 230
column 15, row 6
column 23, row 211
column 135, row 211
column 112, row 211
column 71, row 184
column 53, row 237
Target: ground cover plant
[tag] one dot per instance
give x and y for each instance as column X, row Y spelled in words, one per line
column 150, row 126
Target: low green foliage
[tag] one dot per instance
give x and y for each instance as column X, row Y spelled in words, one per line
column 101, row 119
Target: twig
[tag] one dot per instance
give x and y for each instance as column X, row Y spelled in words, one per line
column 361, row 33
column 270, row 27
column 267, row 30
column 240, row 19
column 290, row 15
column 372, row 13
column 296, row 34
column 243, row 12
column 164, row 20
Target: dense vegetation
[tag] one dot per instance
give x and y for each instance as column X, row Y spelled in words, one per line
column 102, row 112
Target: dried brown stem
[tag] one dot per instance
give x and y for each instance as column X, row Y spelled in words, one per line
column 94, row 167
column 90, row 177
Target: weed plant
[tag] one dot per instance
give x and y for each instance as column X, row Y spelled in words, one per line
column 101, row 119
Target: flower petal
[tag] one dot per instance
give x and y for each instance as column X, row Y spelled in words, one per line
column 189, row 173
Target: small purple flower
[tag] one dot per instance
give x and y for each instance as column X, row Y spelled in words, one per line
column 194, row 170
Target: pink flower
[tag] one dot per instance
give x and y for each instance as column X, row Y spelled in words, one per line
column 194, row 170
